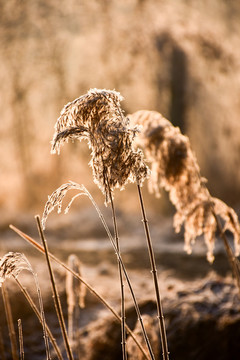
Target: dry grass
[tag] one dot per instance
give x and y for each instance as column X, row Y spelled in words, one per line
column 98, row 118
column 174, row 168
column 167, row 56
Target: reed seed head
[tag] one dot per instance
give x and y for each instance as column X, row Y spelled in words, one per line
column 55, row 200
column 175, row 168
column 11, row 264
column 173, row 164
column 97, row 117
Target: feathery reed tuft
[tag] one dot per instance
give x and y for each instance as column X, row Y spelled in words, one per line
column 175, row 168
column 97, row 117
column 57, row 197
column 11, row 264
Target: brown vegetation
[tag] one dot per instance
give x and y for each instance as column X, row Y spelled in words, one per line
column 179, row 58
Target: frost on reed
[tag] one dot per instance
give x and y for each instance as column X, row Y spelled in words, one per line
column 175, row 168
column 11, row 264
column 97, row 116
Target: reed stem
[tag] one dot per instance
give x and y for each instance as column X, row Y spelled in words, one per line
column 39, row 316
column 20, row 335
column 123, row 317
column 2, row 350
column 90, row 288
column 55, row 292
column 155, row 279
column 125, row 274
column 11, row 330
column 231, row 258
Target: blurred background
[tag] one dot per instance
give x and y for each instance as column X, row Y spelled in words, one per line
column 179, row 57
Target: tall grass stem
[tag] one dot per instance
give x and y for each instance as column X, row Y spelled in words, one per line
column 11, row 330
column 234, row 263
column 90, row 288
column 123, row 317
column 55, row 292
column 20, row 335
column 39, row 316
column 2, row 350
column 155, row 279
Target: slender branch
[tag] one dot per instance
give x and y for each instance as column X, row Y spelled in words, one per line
column 11, row 330
column 90, row 288
column 125, row 274
column 2, row 350
column 21, row 348
column 234, row 263
column 39, row 316
column 123, row 322
column 55, row 292
column 155, row 279
column 45, row 336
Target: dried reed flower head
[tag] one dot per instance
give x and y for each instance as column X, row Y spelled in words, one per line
column 57, row 197
column 173, row 164
column 75, row 290
column 200, row 220
column 175, row 168
column 97, row 116
column 11, row 264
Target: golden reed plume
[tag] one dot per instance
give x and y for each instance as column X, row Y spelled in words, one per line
column 97, row 116
column 174, row 167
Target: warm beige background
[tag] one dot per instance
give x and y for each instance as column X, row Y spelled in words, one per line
column 181, row 58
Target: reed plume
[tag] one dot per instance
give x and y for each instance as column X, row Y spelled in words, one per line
column 11, row 264
column 97, row 117
column 57, row 197
column 56, row 200
column 174, row 167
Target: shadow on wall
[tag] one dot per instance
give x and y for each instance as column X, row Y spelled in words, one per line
column 176, row 61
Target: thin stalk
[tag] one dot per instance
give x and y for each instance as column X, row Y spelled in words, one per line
column 231, row 258
column 45, row 336
column 2, row 350
column 39, row 316
column 125, row 274
column 123, row 317
column 55, row 292
column 155, row 279
column 20, row 335
column 11, row 330
column 90, row 288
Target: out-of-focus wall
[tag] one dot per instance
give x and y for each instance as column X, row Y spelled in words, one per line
column 181, row 58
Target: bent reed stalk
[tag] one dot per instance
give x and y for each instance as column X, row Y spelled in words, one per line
column 55, row 200
column 55, row 292
column 39, row 316
column 11, row 330
column 97, row 116
column 123, row 317
column 40, row 248
column 175, row 168
column 11, row 265
column 161, row 321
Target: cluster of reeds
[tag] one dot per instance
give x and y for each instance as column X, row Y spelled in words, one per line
column 113, row 140
column 98, row 117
